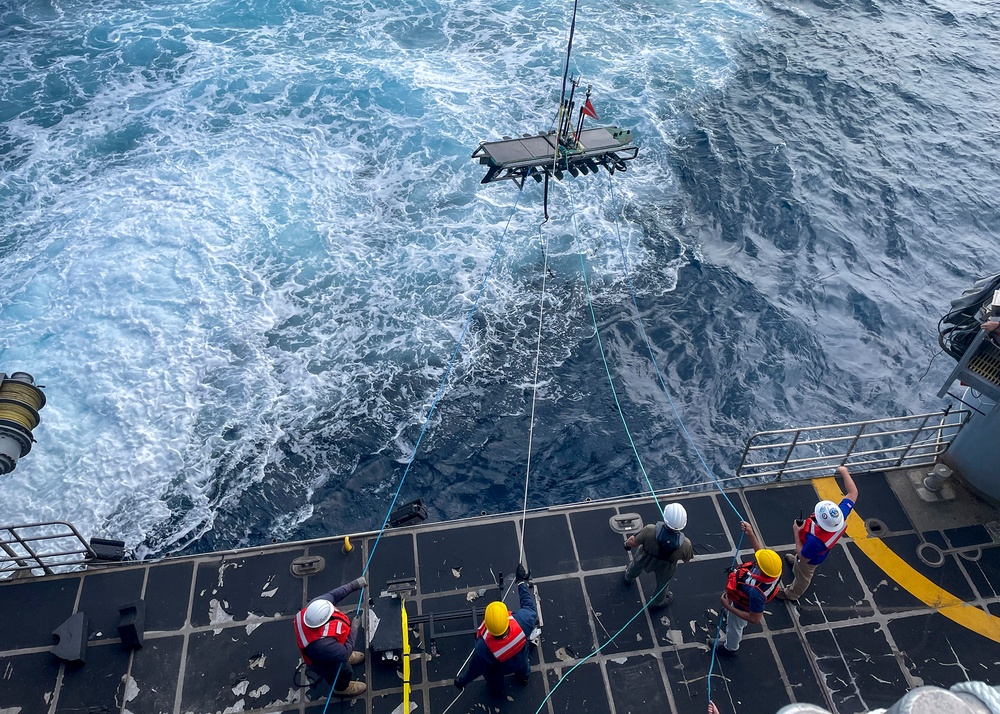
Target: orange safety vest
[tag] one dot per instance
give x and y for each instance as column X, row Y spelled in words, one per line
column 503, row 648
column 744, row 575
column 338, row 627
column 810, row 527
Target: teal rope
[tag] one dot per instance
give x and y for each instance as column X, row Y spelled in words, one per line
column 563, row 678
column 600, row 344
column 687, row 435
column 649, row 348
column 673, row 407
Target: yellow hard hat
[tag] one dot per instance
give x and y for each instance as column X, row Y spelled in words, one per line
column 769, row 563
column 496, row 618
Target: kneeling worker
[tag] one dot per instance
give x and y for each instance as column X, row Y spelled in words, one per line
column 502, row 644
column 750, row 587
column 325, row 636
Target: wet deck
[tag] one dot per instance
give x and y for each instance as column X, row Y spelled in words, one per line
column 218, row 633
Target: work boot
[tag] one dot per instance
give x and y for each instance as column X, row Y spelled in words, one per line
column 782, row 595
column 723, row 651
column 627, row 579
column 353, row 689
column 790, row 558
column 667, row 599
column 356, row 658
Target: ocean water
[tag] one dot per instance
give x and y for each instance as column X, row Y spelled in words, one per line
column 239, row 240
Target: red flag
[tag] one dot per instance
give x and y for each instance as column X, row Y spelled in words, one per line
column 588, row 109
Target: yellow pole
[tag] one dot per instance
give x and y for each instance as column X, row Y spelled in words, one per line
column 406, row 659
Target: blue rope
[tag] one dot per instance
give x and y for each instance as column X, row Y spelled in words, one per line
column 440, row 390
column 718, row 627
column 330, row 695
column 437, row 397
column 621, row 414
column 645, row 338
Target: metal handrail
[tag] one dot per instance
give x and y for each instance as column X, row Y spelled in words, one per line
column 21, row 550
column 879, row 449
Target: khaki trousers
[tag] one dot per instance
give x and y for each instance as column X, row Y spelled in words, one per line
column 803, row 575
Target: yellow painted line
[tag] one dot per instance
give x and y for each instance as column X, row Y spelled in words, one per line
column 955, row 609
column 406, row 658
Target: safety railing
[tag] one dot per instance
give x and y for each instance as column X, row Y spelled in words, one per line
column 50, row 547
column 874, row 445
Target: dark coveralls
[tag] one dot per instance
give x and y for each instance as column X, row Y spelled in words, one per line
column 326, row 653
column 484, row 663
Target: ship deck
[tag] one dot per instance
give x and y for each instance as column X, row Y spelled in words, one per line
column 877, row 621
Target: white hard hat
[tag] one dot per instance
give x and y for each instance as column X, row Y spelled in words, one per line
column 318, row 613
column 674, row 516
column 829, row 516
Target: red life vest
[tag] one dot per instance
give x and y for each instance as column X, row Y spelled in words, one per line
column 810, row 527
column 338, row 627
column 744, row 575
column 503, row 648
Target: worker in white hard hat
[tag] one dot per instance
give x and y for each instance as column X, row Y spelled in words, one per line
column 816, row 536
column 325, row 636
column 657, row 549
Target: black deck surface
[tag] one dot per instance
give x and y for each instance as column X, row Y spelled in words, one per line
column 219, row 633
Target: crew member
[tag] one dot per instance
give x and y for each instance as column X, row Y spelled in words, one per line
column 502, row 641
column 325, row 636
column 750, row 587
column 816, row 536
column 658, row 550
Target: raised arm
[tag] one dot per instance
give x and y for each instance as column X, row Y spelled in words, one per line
column 849, row 485
column 748, row 530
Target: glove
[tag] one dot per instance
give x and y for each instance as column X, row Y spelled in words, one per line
column 459, row 685
column 521, row 575
column 356, row 623
column 359, row 583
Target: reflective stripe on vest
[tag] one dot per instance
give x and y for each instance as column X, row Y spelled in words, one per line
column 828, row 539
column 338, row 627
column 503, row 648
column 744, row 575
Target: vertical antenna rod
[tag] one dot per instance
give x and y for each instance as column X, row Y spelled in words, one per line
column 569, row 49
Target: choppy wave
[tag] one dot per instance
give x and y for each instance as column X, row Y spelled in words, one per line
column 239, row 240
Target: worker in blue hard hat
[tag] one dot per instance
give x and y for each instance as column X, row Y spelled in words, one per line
column 657, row 549
column 502, row 641
column 325, row 636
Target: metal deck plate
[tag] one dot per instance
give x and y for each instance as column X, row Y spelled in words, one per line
column 219, row 632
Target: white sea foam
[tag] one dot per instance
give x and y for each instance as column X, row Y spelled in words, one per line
column 227, row 243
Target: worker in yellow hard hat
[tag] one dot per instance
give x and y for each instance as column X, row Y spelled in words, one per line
column 502, row 641
column 750, row 587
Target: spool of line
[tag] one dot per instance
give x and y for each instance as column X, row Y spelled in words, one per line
column 19, row 413
column 20, row 401
column 25, row 393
